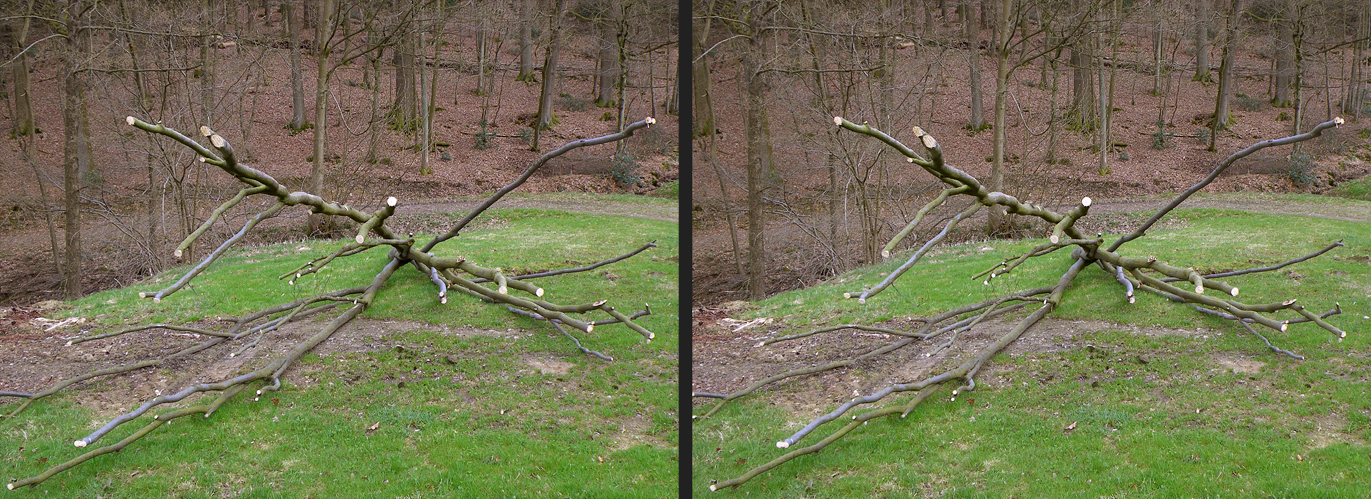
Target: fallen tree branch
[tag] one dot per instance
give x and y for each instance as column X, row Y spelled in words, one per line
column 443, row 272
column 1147, row 273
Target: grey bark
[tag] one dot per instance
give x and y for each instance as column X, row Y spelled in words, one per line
column 297, row 86
column 554, row 49
column 526, row 11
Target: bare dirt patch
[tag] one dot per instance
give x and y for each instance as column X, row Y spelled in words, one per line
column 1239, row 365
column 37, row 357
column 725, row 361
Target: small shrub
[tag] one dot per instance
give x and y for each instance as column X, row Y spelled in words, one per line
column 1283, row 116
column 623, row 168
column 484, row 138
column 1161, row 139
column 1202, row 135
column 1300, row 169
column 1245, row 103
column 526, row 135
column 607, row 116
column 572, row 103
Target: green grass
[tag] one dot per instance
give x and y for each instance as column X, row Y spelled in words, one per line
column 460, row 415
column 1159, row 415
column 1359, row 189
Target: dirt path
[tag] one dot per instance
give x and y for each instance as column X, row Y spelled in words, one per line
column 24, row 261
column 1255, row 203
column 580, row 204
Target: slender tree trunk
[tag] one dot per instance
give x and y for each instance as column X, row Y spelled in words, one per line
column 1297, row 46
column 526, row 12
column 759, row 162
column 700, row 82
column 1106, row 82
column 1284, row 61
column 608, row 58
column 482, row 48
column 1221, row 115
column 545, row 119
column 977, row 121
column 23, row 109
column 998, row 222
column 1082, row 86
column 405, row 99
column 318, row 221
column 1157, row 53
column 297, row 86
column 208, row 42
column 76, row 150
column 1202, row 20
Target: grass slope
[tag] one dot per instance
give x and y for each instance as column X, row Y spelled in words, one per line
column 1155, row 416
column 459, row 416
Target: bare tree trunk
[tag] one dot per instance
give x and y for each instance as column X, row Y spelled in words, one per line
column 545, row 119
column 977, row 121
column 1107, row 96
column 1221, row 115
column 23, row 108
column 76, row 148
column 998, row 222
column 609, row 52
column 621, row 79
column 1082, row 86
column 297, row 87
column 482, row 48
column 1202, row 19
column 318, row 221
column 1354, row 94
column 208, row 42
column 759, row 163
column 1284, row 61
column 526, row 12
column 700, row 82
column 1297, row 46
column 427, row 88
column 405, row 99
column 1157, row 53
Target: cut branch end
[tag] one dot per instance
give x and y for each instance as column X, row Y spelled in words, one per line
column 782, row 445
column 130, row 120
column 837, row 120
column 79, row 443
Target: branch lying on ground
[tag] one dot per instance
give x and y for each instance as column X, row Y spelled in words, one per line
column 443, row 272
column 1131, row 272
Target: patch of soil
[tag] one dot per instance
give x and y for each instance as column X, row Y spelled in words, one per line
column 38, row 356
column 725, row 361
